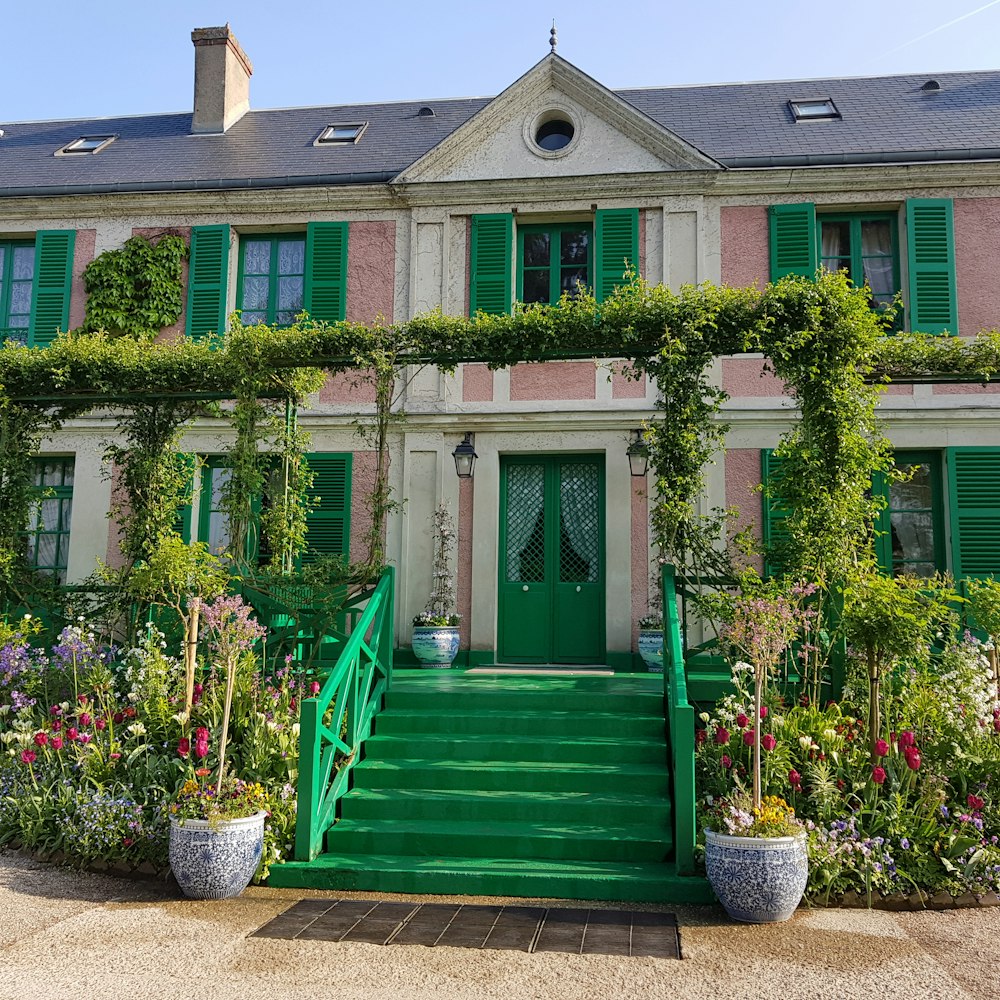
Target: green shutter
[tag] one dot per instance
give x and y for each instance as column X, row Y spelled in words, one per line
column 793, row 240
column 616, row 248
column 773, row 531
column 490, row 266
column 53, row 276
column 974, row 509
column 328, row 523
column 325, row 296
column 930, row 251
column 208, row 280
column 182, row 522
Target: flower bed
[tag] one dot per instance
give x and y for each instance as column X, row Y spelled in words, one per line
column 909, row 820
column 97, row 742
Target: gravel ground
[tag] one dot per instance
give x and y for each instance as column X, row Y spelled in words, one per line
column 72, row 934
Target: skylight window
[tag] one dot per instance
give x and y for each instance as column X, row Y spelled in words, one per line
column 339, row 134
column 86, row 144
column 814, row 109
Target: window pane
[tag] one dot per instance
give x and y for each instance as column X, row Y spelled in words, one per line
column 912, row 537
column 914, row 569
column 876, row 238
column 255, row 293
column 20, row 298
column 536, row 250
column 52, row 474
column 249, row 318
column 65, row 514
column 48, row 514
column 571, row 279
column 835, row 241
column 45, row 551
column 878, row 274
column 257, row 257
column 290, row 295
column 292, row 257
column 575, row 247
column 24, row 263
column 536, row 286
column 915, row 494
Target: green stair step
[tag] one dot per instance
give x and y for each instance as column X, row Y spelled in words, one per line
column 475, row 698
column 505, row 750
column 524, row 723
column 565, row 842
column 528, row 682
column 606, row 881
column 402, row 772
column 472, row 804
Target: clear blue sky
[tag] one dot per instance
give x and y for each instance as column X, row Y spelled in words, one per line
column 68, row 59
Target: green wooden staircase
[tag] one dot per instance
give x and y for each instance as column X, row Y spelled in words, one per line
column 514, row 785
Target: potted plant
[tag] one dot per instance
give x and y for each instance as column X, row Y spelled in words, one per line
column 435, row 630
column 755, row 849
column 217, row 828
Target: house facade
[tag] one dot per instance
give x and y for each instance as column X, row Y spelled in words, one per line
column 390, row 210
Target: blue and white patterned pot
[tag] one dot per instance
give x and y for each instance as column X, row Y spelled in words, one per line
column 435, row 645
column 758, row 879
column 216, row 861
column 651, row 649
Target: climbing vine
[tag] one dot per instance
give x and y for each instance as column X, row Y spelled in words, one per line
column 135, row 290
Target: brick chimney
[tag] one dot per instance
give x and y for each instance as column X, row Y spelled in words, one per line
column 222, row 74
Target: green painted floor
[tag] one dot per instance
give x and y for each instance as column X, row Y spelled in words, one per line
column 513, row 785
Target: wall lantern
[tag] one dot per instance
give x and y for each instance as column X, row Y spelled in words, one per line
column 465, row 456
column 638, row 455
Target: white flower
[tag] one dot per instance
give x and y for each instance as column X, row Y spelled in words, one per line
column 705, row 717
column 742, row 665
column 64, row 705
column 295, row 730
column 133, row 697
column 8, row 736
column 182, row 717
column 830, row 734
column 805, row 742
column 137, row 729
column 4, row 709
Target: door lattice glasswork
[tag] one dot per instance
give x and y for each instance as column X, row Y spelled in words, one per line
column 525, row 523
column 579, row 523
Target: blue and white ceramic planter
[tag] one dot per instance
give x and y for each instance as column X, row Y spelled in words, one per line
column 216, row 861
column 651, row 648
column 758, row 880
column 435, row 645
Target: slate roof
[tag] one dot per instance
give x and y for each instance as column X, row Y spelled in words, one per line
column 884, row 119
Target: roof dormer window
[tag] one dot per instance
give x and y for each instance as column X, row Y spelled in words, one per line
column 86, row 144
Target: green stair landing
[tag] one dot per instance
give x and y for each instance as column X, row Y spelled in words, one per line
column 551, row 786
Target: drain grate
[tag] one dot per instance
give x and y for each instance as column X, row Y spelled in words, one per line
column 512, row 928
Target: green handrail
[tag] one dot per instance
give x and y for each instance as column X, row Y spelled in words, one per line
column 680, row 717
column 335, row 723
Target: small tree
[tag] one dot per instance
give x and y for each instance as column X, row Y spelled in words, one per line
column 984, row 599
column 440, row 609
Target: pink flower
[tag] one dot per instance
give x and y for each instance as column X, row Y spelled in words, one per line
column 974, row 802
column 82, row 699
column 726, row 761
column 878, row 775
column 84, row 738
column 183, row 746
column 748, row 737
column 314, row 687
column 54, row 710
column 913, row 759
column 742, row 721
column 721, row 736
column 996, row 724
column 57, row 743
column 794, row 778
column 56, row 725
column 71, row 733
column 41, row 739
column 881, row 748
column 118, row 717
column 699, row 736
column 763, row 711
column 27, row 756
column 101, row 725
column 199, row 688
column 906, row 739
column 85, row 719
column 115, row 756
column 768, row 742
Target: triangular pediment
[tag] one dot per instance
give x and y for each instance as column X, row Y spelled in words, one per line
column 610, row 135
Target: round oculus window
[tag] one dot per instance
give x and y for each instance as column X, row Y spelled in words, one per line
column 555, row 134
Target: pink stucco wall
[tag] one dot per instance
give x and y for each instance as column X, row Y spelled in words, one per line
column 464, row 554
column 363, row 470
column 977, row 248
column 627, row 388
column 742, row 478
column 640, row 554
column 553, row 380
column 967, row 389
column 348, row 387
column 371, row 271
column 477, row 384
column 83, row 254
column 746, row 377
column 745, row 258
column 184, row 232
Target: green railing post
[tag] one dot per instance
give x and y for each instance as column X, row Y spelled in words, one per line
column 307, row 842
column 680, row 716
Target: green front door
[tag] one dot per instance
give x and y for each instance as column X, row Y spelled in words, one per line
column 551, row 559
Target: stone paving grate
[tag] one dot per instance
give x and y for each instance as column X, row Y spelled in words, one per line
column 578, row 931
